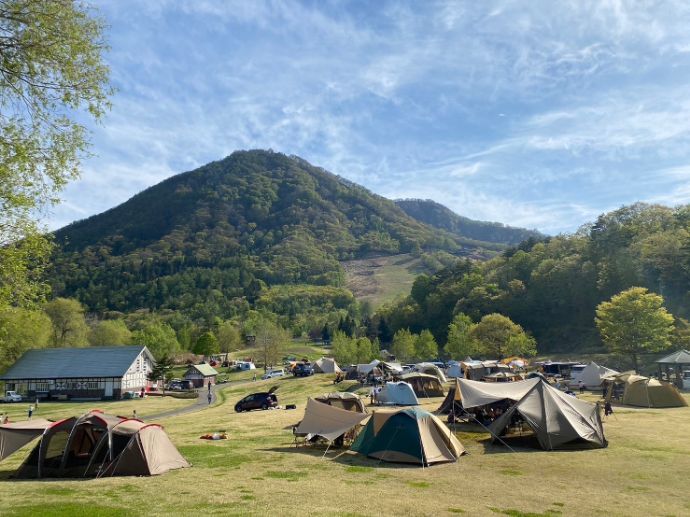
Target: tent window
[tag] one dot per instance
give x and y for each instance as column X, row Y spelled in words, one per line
column 56, row 446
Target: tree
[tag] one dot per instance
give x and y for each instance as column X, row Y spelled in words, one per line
column 460, row 343
column 229, row 338
column 403, row 345
column 425, row 347
column 109, row 332
column 271, row 340
column 364, row 350
column 207, row 344
column 344, row 348
column 69, row 324
column 51, row 74
column 635, row 321
column 522, row 345
column 162, row 370
column 493, row 335
column 159, row 338
column 21, row 330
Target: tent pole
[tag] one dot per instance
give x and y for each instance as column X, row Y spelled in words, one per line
column 324, row 454
column 489, row 430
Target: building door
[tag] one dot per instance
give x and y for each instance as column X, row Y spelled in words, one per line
column 108, row 388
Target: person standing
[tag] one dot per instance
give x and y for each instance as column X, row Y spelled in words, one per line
column 31, row 410
column 581, row 384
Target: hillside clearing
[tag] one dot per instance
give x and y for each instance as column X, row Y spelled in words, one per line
column 382, row 279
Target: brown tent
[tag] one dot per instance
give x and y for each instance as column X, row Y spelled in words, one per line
column 326, row 421
column 14, row 436
column 343, row 400
column 326, row 365
column 423, row 385
column 645, row 392
column 97, row 444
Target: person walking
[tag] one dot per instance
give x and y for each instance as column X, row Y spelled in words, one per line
column 31, row 411
column 210, row 397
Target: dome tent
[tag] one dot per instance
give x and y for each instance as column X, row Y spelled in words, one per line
column 397, row 394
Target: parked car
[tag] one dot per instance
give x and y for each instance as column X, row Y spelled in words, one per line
column 262, row 400
column 270, row 374
column 303, row 370
column 686, row 379
column 180, row 385
column 12, row 396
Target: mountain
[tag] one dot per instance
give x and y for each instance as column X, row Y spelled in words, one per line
column 203, row 240
column 438, row 216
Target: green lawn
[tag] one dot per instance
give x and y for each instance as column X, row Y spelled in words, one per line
column 259, row 471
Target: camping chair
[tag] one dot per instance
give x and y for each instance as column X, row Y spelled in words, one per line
column 302, row 439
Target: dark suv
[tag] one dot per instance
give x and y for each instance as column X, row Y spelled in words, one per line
column 302, row 370
column 263, row 400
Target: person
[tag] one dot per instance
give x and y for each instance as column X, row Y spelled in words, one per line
column 581, row 384
column 141, row 395
column 372, row 395
column 31, row 411
column 210, row 396
column 36, row 404
column 254, row 377
column 209, row 385
column 608, row 410
column 134, row 414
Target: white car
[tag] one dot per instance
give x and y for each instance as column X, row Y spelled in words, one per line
column 686, row 380
column 273, row 373
column 12, row 396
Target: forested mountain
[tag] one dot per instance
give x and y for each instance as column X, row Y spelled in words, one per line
column 436, row 215
column 552, row 287
column 202, row 240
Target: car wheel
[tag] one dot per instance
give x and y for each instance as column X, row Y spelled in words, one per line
column 238, row 409
column 264, row 406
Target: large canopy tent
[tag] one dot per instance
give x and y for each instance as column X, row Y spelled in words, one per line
column 645, row 392
column 343, row 400
column 431, row 369
column 409, row 435
column 15, row 435
column 326, row 365
column 476, row 394
column 97, row 444
column 397, row 394
column 672, row 366
column 423, row 385
column 559, row 421
column 326, row 421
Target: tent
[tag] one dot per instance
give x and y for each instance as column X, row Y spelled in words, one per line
column 475, row 393
column 366, row 369
column 476, row 370
column 409, row 435
column 343, row 400
column 646, row 392
column 558, row 420
column 423, row 385
column 593, row 375
column 502, row 377
column 450, row 404
column 329, row 422
column 15, row 435
column 397, row 394
column 431, row 369
column 326, row 365
column 454, row 370
column 97, row 444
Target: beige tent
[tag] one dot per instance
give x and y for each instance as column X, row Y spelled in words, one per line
column 646, row 392
column 409, row 435
column 431, row 369
column 326, row 421
column 15, row 435
column 593, row 375
column 558, row 420
column 326, row 365
column 97, row 444
column 423, row 385
column 476, row 393
column 343, row 400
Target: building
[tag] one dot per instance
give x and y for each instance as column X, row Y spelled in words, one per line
column 105, row 372
column 201, row 375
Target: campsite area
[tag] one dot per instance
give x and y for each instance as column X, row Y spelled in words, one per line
column 259, row 470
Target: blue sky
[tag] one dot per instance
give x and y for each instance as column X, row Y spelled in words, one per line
column 536, row 114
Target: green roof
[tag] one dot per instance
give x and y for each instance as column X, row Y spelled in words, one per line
column 71, row 363
column 205, row 369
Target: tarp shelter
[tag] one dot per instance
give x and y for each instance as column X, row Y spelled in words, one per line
column 397, row 394
column 15, row 435
column 645, row 392
column 326, row 421
column 97, row 444
column 391, row 368
column 423, row 385
column 475, row 393
column 366, row 369
column 326, row 365
column 558, row 420
column 343, row 400
column 593, row 375
column 431, row 369
column 409, row 435
column 673, row 365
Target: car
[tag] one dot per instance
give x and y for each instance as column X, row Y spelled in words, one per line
column 263, row 400
column 303, row 370
column 12, row 396
column 180, row 385
column 270, row 374
column 686, row 379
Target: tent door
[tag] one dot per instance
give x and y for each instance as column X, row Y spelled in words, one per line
column 108, row 388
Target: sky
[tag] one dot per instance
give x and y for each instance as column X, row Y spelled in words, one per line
column 537, row 114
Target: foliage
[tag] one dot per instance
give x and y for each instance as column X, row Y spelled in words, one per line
column 343, row 348
column 51, row 75
column 109, row 332
column 497, row 336
column 425, row 346
column 159, row 338
column 206, row 344
column 271, row 339
column 162, row 370
column 366, row 351
column 634, row 322
column 460, row 343
column 21, row 330
column 228, row 335
column 403, row 347
column 69, row 324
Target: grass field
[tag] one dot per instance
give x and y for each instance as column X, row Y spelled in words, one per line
column 644, row 471
column 380, row 280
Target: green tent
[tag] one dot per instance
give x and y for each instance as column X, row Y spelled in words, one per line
column 409, row 435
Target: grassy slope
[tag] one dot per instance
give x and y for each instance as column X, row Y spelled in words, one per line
column 258, row 470
column 380, row 280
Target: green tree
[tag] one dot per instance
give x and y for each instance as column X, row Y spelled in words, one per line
column 159, row 338
column 69, row 324
column 635, row 321
column 21, row 330
column 364, row 350
column 460, row 343
column 51, row 75
column 403, row 347
column 229, row 338
column 162, row 371
column 344, row 348
column 109, row 332
column 522, row 345
column 425, row 347
column 493, row 335
column 207, row 344
column 271, row 340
